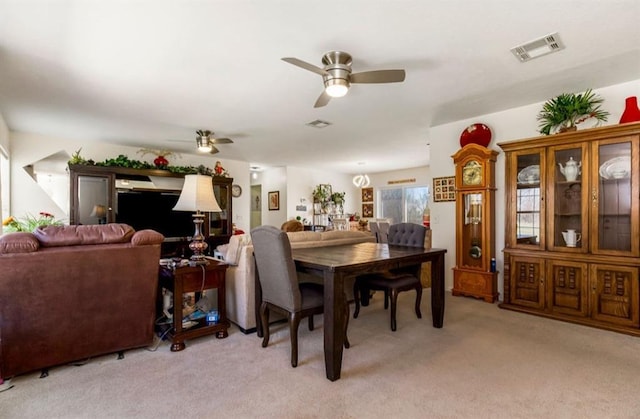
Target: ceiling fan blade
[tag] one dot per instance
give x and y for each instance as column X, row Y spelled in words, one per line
column 323, row 99
column 305, row 65
column 378, row 76
column 221, row 141
column 214, row 150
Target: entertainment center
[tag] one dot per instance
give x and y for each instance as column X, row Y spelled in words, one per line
column 144, row 199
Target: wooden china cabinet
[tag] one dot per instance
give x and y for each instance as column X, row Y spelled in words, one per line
column 473, row 275
column 572, row 240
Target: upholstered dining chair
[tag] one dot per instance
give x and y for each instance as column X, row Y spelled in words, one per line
column 383, row 228
column 373, row 227
column 281, row 290
column 392, row 282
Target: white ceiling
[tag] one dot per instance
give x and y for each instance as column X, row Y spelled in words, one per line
column 149, row 73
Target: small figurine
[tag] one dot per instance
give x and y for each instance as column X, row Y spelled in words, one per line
column 218, row 169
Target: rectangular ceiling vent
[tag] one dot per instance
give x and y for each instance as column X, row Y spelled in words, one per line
column 538, row 47
column 318, row 123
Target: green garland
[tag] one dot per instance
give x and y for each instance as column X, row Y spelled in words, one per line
column 124, row 161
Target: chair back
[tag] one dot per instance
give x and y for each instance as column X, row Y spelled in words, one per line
column 406, row 234
column 275, row 267
column 383, row 226
column 373, row 227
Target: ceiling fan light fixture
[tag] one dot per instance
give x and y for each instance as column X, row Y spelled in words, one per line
column 203, row 144
column 336, row 87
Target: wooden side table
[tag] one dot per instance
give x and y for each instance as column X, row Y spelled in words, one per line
column 194, row 279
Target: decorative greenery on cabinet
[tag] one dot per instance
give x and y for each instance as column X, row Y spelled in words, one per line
column 566, row 111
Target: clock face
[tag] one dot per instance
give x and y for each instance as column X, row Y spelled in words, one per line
column 472, row 173
column 236, row 191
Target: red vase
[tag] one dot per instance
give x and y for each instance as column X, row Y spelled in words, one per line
column 631, row 112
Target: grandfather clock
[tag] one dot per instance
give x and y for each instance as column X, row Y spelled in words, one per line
column 475, row 274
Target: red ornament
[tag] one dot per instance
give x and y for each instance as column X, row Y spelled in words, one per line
column 631, row 112
column 476, row 134
column 161, row 161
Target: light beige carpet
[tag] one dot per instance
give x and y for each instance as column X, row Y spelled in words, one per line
column 485, row 363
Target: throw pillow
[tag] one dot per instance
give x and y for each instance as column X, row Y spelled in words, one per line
column 18, row 243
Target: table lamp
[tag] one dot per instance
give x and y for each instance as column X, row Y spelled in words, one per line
column 100, row 212
column 197, row 195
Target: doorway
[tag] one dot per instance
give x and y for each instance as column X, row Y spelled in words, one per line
column 256, row 206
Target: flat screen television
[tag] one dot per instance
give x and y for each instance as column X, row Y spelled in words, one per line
column 153, row 209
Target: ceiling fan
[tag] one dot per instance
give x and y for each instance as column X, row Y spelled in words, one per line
column 206, row 142
column 337, row 75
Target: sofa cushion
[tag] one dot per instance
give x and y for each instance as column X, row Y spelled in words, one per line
column 146, row 237
column 303, row 236
column 71, row 235
column 343, row 234
column 234, row 247
column 18, row 243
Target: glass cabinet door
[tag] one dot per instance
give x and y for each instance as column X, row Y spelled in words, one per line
column 568, row 227
column 91, row 199
column 528, row 208
column 614, row 187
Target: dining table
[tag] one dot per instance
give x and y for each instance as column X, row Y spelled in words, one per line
column 337, row 264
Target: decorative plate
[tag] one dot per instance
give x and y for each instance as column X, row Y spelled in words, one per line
column 477, row 134
column 616, row 168
column 236, row 191
column 529, row 175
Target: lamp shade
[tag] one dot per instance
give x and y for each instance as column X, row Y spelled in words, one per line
column 197, row 195
column 99, row 211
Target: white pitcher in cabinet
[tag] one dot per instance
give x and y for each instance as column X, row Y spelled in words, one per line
column 571, row 169
column 571, row 238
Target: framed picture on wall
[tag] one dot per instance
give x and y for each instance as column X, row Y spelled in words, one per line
column 274, row 201
column 367, row 210
column 367, row 194
column 444, row 189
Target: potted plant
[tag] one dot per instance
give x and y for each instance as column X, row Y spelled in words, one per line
column 566, row 111
column 321, row 194
column 338, row 199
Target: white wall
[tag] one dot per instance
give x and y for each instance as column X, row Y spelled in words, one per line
column 4, row 135
column 513, row 124
column 28, row 197
column 273, row 180
column 5, row 175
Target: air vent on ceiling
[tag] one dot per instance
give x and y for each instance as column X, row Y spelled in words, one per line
column 318, row 124
column 538, row 47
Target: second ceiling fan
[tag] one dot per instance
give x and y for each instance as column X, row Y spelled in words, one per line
column 337, row 75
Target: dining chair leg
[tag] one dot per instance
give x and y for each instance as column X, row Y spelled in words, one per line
column 418, row 299
column 386, row 299
column 394, row 300
column 311, row 327
column 294, row 322
column 346, row 326
column 356, row 298
column 264, row 315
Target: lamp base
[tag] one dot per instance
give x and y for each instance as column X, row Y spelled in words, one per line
column 198, row 245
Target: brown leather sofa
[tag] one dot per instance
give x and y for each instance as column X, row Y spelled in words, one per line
column 68, row 293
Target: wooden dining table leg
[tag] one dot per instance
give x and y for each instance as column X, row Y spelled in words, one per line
column 437, row 290
column 334, row 333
